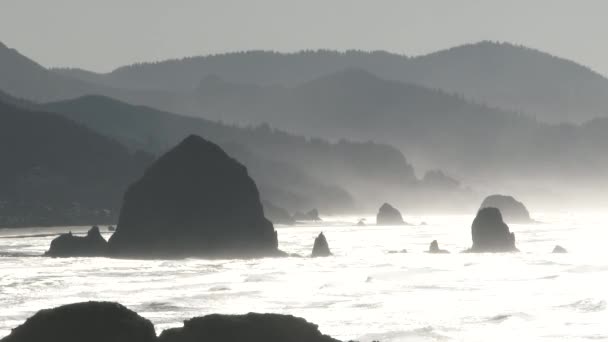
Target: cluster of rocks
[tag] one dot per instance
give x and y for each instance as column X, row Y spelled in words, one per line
column 107, row 321
column 196, row 201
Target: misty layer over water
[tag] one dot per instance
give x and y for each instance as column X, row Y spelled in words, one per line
column 364, row 292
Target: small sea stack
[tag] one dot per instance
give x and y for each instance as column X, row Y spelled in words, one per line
column 320, row 247
column 389, row 216
column 361, row 223
column 434, row 248
column 84, row 322
column 312, row 215
column 252, row 327
column 511, row 209
column 490, row 233
column 69, row 245
column 559, row 250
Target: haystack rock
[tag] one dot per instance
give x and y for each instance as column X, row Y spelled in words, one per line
column 559, row 249
column 90, row 322
column 321, row 247
column 252, row 327
column 512, row 210
column 388, row 215
column 194, row 201
column 434, row 248
column 68, row 245
column 490, row 233
column 276, row 214
column 312, row 215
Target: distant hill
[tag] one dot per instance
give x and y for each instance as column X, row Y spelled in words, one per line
column 292, row 171
column 475, row 143
column 503, row 75
column 57, row 172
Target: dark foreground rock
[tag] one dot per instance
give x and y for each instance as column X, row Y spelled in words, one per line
column 194, row 201
column 389, row 215
column 512, row 210
column 559, row 249
column 68, row 245
column 84, row 322
column 490, row 233
column 277, row 215
column 312, row 215
column 321, row 247
column 434, row 248
column 251, row 327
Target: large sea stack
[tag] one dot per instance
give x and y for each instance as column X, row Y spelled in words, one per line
column 252, row 327
column 512, row 210
column 389, row 215
column 84, row 322
column 320, row 247
column 490, row 233
column 194, row 201
column 69, row 245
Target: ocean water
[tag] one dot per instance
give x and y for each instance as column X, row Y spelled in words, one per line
column 364, row 292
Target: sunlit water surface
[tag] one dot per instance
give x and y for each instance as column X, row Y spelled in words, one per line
column 364, row 292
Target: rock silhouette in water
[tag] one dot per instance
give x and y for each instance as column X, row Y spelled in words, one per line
column 388, row 215
column 361, row 223
column 512, row 210
column 84, row 322
column 68, row 245
column 321, row 247
column 194, row 201
column 277, row 215
column 252, row 327
column 559, row 249
column 312, row 215
column 490, row 233
column 434, row 248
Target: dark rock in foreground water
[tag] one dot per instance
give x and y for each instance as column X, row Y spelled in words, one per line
column 84, row 322
column 512, row 210
column 388, row 215
column 68, row 245
column 321, row 247
column 251, row 327
column 559, row 249
column 312, row 215
column 194, row 201
column 277, row 215
column 434, row 248
column 490, row 233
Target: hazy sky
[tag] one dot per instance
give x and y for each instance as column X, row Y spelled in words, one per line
column 102, row 34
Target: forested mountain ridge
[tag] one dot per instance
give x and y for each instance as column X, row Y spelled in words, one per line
column 504, row 75
column 58, row 172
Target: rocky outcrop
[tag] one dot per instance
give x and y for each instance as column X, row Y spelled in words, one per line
column 90, row 322
column 321, row 247
column 194, row 201
column 312, row 215
column 69, row 245
column 252, row 327
column 559, row 249
column 277, row 215
column 512, row 210
column 434, row 248
column 490, row 233
column 389, row 216
column 361, row 223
